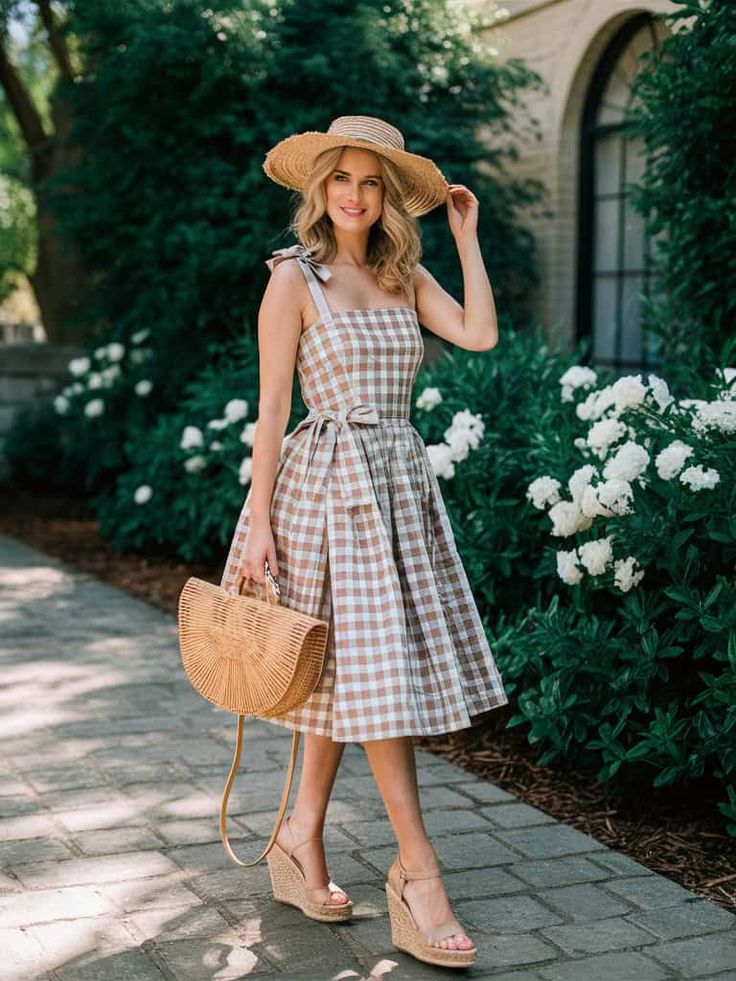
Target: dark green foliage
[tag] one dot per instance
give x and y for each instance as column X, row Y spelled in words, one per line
column 687, row 114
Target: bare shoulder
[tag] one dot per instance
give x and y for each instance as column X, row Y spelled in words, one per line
column 286, row 289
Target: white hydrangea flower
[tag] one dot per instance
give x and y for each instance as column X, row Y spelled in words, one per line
column 603, row 434
column 235, row 410
column 441, row 458
column 191, row 437
column 628, row 462
column 464, row 433
column 217, row 424
column 568, row 568
column 110, row 374
column 245, row 470
column 597, row 555
column 194, row 464
column 79, row 366
column 628, row 392
column 720, row 415
column 95, row 407
column 670, row 461
column 95, row 380
column 61, row 404
column 691, row 403
column 567, row 519
column 142, row 494
column 660, row 391
column 579, row 481
column 140, row 335
column 729, row 375
column 77, row 387
column 700, row 478
column 115, row 351
column 140, row 354
column 608, row 498
column 216, row 445
column 616, row 495
column 100, row 352
column 248, row 434
column 143, row 387
column 595, row 404
column 577, row 376
column 543, row 491
column 625, row 575
column 428, row 399
column 580, row 442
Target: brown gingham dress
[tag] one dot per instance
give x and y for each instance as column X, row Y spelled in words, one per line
column 363, row 538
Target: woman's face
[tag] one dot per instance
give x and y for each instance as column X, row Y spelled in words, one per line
column 355, row 190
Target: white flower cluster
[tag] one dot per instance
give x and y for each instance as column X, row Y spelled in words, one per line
column 193, row 438
column 103, row 376
column 463, row 434
column 605, row 489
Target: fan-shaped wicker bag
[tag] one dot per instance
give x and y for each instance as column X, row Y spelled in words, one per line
column 251, row 656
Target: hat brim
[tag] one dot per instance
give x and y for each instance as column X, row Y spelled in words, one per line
column 291, row 162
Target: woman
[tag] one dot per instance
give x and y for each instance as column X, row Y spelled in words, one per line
column 347, row 511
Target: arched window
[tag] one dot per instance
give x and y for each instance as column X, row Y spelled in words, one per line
column 613, row 251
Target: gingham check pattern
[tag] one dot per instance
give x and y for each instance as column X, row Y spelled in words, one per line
column 363, row 540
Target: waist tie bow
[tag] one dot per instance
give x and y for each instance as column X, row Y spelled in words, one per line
column 302, row 255
column 341, row 454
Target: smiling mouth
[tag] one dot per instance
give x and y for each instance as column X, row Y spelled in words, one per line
column 353, row 213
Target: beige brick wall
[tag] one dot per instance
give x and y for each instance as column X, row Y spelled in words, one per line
column 563, row 40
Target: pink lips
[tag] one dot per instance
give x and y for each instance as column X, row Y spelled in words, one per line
column 362, row 212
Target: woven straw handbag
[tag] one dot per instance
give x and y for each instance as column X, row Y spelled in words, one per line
column 251, row 656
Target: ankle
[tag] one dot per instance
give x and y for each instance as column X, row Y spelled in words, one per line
column 308, row 825
column 419, row 858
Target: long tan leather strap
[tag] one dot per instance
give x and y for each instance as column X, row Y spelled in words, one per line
column 228, row 786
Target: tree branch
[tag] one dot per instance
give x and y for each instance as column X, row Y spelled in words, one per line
column 19, row 100
column 57, row 41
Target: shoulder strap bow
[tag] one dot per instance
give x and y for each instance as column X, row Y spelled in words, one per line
column 301, row 254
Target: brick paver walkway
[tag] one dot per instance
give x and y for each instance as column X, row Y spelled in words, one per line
column 111, row 774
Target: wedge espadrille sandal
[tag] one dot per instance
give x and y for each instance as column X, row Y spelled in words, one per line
column 406, row 935
column 290, row 885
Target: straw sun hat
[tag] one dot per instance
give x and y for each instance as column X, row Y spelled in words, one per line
column 290, row 161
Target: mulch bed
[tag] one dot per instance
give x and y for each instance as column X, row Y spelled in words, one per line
column 673, row 831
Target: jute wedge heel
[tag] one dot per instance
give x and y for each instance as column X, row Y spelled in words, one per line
column 406, row 935
column 290, row 886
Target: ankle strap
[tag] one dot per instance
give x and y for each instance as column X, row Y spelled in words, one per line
column 406, row 874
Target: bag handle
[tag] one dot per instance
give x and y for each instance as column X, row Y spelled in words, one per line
column 282, row 804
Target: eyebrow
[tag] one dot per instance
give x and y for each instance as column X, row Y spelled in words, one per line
column 347, row 173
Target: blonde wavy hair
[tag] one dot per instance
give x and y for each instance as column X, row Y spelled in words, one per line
column 394, row 243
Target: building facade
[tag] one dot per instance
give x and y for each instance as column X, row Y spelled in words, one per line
column 593, row 251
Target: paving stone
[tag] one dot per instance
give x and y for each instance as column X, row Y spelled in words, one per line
column 28, row 826
column 499, row 951
column 18, row 851
column 622, row 966
column 583, row 902
column 510, row 914
column 471, row 850
column 132, row 965
column 198, row 831
column 162, row 892
column 441, row 823
column 693, row 917
column 611, row 933
column 699, row 957
column 438, row 796
column 194, row 960
column 160, row 925
column 549, row 841
column 52, row 904
column 649, row 891
column 119, row 813
column 83, row 871
column 116, row 840
column 558, row 871
column 515, row 815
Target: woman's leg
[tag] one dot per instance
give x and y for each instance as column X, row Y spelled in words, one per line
column 321, row 759
column 393, row 766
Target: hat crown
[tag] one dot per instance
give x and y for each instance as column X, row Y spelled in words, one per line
column 368, row 128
